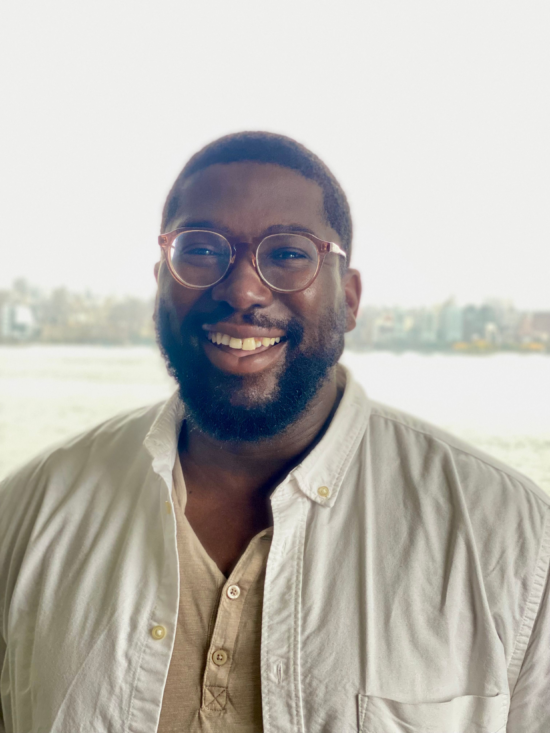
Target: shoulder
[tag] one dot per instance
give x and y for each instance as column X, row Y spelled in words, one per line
column 116, row 439
column 474, row 468
column 72, row 490
column 459, row 510
column 501, row 514
column 74, row 481
column 496, row 511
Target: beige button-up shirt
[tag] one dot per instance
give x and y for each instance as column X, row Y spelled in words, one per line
column 406, row 586
column 214, row 683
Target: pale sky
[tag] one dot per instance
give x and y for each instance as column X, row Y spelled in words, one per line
column 435, row 116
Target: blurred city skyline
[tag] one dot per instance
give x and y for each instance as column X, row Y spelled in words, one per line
column 434, row 116
column 31, row 315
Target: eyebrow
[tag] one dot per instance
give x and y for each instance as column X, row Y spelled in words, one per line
column 205, row 224
column 220, row 228
column 297, row 228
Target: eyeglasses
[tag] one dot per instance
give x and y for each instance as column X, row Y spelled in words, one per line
column 287, row 263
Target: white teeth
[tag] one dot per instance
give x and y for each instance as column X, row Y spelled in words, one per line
column 248, row 344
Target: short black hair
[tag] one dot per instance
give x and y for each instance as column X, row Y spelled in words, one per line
column 268, row 147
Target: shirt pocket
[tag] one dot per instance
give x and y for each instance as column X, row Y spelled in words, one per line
column 466, row 714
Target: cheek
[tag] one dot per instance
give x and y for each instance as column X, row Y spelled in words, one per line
column 319, row 307
column 179, row 299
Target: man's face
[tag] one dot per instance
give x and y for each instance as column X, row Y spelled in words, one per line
column 234, row 394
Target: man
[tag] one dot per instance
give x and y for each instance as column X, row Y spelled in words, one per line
column 269, row 550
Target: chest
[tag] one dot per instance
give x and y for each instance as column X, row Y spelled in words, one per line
column 362, row 621
column 225, row 527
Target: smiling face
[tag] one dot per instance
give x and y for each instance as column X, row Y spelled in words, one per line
column 249, row 360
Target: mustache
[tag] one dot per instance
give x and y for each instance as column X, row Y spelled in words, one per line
column 254, row 318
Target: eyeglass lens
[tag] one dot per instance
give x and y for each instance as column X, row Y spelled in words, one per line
column 285, row 261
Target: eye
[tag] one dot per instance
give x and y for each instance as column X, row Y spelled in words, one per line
column 204, row 251
column 289, row 254
column 196, row 250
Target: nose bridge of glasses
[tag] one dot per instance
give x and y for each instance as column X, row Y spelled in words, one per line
column 242, row 284
column 243, row 251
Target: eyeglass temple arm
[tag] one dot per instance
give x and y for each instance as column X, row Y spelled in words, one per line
column 333, row 247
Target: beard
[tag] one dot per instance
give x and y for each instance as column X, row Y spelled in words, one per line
column 235, row 408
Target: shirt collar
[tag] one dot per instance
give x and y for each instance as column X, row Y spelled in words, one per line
column 321, row 473
column 162, row 439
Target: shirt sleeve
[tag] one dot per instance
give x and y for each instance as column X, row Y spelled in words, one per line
column 530, row 703
column 3, row 574
column 14, row 532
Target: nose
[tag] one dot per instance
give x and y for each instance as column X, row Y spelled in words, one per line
column 243, row 288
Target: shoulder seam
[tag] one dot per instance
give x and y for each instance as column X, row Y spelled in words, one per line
column 50, row 453
column 461, row 450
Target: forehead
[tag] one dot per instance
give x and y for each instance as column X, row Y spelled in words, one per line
column 249, row 197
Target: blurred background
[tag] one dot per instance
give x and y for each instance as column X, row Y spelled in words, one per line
column 435, row 118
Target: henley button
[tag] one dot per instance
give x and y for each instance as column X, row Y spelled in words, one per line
column 219, row 657
column 233, row 592
column 158, row 632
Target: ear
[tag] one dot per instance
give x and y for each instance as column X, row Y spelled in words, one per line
column 351, row 281
column 156, row 271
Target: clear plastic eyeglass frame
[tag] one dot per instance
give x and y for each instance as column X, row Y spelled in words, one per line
column 323, row 248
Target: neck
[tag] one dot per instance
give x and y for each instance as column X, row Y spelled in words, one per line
column 245, row 468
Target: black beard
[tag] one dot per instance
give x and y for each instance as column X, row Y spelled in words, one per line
column 206, row 391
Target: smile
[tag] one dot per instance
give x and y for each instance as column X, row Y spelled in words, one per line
column 246, row 344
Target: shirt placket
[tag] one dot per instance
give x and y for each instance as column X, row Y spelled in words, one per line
column 281, row 691
column 221, row 652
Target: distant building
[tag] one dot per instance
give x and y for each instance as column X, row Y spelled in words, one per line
column 492, row 334
column 451, row 323
column 476, row 320
column 429, row 326
column 383, row 330
column 541, row 326
column 17, row 322
column 363, row 334
column 507, row 319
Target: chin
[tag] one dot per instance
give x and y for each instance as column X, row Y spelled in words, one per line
column 255, row 390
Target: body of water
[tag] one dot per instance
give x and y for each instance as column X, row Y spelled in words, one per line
column 500, row 403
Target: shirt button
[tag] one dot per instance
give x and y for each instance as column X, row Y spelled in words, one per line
column 219, row 657
column 233, row 592
column 323, row 491
column 158, row 632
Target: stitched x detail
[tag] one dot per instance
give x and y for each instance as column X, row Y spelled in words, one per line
column 215, row 698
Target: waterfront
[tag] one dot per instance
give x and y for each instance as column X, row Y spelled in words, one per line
column 501, row 403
